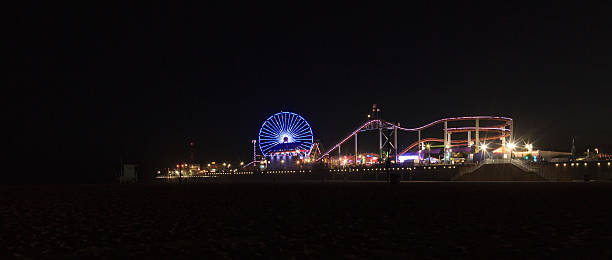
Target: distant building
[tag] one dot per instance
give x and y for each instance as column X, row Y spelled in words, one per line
column 128, row 173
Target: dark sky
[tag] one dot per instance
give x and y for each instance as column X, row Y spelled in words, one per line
column 100, row 82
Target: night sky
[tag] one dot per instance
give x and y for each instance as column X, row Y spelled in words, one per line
column 100, row 83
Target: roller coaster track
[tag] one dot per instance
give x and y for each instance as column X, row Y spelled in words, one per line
column 453, row 142
column 507, row 121
column 382, row 123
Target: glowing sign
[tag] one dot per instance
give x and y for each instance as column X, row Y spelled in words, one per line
column 407, row 157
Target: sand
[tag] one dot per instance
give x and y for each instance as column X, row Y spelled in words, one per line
column 315, row 220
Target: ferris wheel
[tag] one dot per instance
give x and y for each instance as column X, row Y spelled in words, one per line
column 285, row 132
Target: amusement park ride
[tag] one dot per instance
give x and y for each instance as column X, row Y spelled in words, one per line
column 286, row 139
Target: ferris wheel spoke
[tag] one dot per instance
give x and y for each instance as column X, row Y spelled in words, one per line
column 268, row 130
column 269, row 141
column 270, row 133
column 271, row 123
column 267, row 133
column 303, row 137
column 302, row 125
column 294, row 122
column 298, row 129
column 303, row 134
column 271, row 128
column 274, row 125
column 282, row 120
column 302, row 131
column 295, row 128
column 281, row 125
column 274, row 122
column 266, row 149
column 268, row 145
column 286, row 121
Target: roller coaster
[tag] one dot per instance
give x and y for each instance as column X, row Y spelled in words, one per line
column 503, row 130
column 286, row 138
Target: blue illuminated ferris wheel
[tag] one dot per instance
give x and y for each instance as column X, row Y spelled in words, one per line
column 285, row 133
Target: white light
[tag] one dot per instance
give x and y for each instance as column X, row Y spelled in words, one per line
column 511, row 146
column 403, row 158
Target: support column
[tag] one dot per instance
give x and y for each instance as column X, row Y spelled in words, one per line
column 504, row 148
column 445, row 139
column 469, row 139
column 477, row 135
column 469, row 144
column 450, row 143
column 420, row 146
column 379, row 138
column 356, row 149
column 339, row 163
column 395, row 142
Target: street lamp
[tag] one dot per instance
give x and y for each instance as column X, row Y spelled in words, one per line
column 429, row 153
column 511, row 146
column 484, row 150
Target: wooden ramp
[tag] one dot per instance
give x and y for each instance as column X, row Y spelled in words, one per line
column 499, row 172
